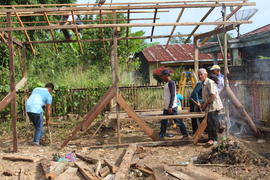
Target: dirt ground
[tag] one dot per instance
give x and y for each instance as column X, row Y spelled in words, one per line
column 131, row 133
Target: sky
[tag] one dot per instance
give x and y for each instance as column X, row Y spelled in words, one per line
column 260, row 19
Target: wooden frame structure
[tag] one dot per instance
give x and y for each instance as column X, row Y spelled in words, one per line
column 48, row 11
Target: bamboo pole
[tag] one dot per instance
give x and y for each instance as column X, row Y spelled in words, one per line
column 88, row 26
column 195, row 29
column 154, row 21
column 166, row 6
column 127, row 3
column 196, row 56
column 174, row 27
column 12, row 86
column 107, row 39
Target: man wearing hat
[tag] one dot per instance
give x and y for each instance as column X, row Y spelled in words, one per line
column 216, row 71
column 170, row 105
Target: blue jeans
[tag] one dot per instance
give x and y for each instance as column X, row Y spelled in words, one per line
column 178, row 122
column 37, row 120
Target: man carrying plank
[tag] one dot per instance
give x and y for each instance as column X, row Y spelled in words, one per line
column 170, row 105
column 40, row 97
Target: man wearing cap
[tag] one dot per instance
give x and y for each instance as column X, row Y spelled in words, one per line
column 216, row 71
column 170, row 105
column 211, row 104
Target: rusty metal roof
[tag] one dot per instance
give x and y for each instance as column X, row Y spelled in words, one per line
column 174, row 52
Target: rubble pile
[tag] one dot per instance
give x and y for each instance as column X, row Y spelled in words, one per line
column 232, row 152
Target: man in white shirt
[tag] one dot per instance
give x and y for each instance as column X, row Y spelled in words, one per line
column 211, row 104
column 170, row 105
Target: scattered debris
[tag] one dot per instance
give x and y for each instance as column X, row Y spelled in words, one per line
column 20, row 158
column 232, row 152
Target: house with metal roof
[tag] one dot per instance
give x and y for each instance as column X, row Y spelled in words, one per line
column 174, row 56
column 250, row 54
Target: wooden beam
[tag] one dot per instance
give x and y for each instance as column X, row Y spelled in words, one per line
column 154, row 21
column 134, row 116
column 174, row 27
column 15, row 41
column 200, row 129
column 127, row 3
column 88, row 26
column 179, row 116
column 214, row 32
column 225, row 50
column 57, row 22
column 195, row 29
column 12, row 86
column 25, row 32
column 57, row 13
column 21, row 83
column 196, row 56
column 166, row 6
column 51, row 31
column 122, row 172
column 107, row 39
column 76, row 32
column 96, row 110
column 7, row 99
column 127, row 29
column 226, row 18
column 84, row 171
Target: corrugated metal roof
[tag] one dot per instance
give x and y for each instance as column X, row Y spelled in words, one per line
column 174, row 52
column 263, row 29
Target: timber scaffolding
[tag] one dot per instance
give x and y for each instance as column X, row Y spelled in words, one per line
column 8, row 13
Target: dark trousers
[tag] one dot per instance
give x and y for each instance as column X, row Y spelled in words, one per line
column 178, row 122
column 212, row 125
column 37, row 120
column 194, row 121
column 66, row 32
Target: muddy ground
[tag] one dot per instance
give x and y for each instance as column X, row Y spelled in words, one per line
column 172, row 156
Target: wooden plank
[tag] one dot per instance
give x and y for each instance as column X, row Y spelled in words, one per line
column 84, row 171
column 177, row 174
column 166, row 6
column 160, row 173
column 127, row 29
column 179, row 116
column 154, row 21
column 127, row 3
column 69, row 174
column 21, row 83
column 89, row 26
column 52, row 169
column 57, row 22
column 145, row 144
column 196, row 28
column 122, row 172
column 214, row 32
column 12, row 85
column 51, row 31
column 135, row 117
column 106, row 39
column 19, row 158
column 86, row 158
column 174, row 27
column 76, row 32
column 200, row 129
column 25, row 32
column 7, row 99
column 196, row 56
column 96, row 110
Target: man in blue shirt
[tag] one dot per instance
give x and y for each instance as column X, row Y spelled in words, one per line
column 40, row 97
column 195, row 100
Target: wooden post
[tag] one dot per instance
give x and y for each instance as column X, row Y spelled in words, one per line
column 225, row 51
column 196, row 56
column 12, row 84
column 114, row 64
column 24, row 73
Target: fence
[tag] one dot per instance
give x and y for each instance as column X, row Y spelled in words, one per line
column 253, row 94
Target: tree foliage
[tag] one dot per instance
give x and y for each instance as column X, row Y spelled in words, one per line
column 179, row 40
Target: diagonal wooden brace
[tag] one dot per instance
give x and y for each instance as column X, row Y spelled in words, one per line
column 132, row 113
column 95, row 111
